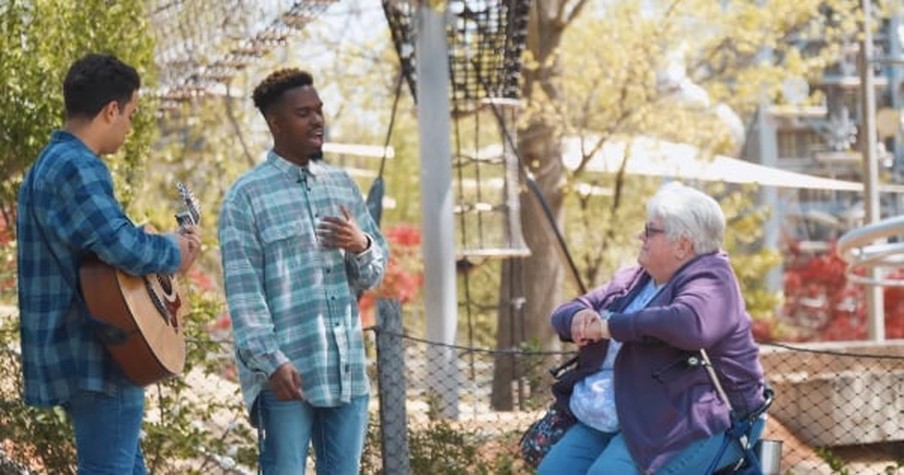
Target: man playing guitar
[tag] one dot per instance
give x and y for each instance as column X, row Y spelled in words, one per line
column 67, row 210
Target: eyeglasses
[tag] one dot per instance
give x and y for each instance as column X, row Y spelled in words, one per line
column 649, row 231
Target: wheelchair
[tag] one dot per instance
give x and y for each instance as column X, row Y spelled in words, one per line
column 741, row 432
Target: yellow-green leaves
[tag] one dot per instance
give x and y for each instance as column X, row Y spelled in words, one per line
column 39, row 39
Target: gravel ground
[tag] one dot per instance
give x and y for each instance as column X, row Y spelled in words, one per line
column 9, row 467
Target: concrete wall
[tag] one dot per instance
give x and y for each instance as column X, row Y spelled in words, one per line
column 839, row 394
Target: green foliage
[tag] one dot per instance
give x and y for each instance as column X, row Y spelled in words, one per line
column 207, row 153
column 441, row 448
column 603, row 233
column 749, row 259
column 47, row 431
column 39, row 39
column 721, row 46
column 7, row 260
column 726, row 54
column 836, row 463
column 188, row 428
column 193, row 425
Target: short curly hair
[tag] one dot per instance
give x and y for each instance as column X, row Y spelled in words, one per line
column 269, row 91
column 96, row 79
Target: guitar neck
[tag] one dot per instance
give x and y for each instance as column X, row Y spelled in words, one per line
column 185, row 219
column 191, row 216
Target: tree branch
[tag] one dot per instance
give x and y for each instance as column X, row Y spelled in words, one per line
column 230, row 114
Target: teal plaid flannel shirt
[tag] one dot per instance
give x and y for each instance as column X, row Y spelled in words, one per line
column 291, row 300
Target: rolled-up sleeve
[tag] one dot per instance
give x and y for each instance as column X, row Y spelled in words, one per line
column 365, row 270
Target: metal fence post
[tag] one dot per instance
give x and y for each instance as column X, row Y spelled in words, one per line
column 391, row 380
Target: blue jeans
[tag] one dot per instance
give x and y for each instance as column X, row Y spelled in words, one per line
column 584, row 450
column 106, row 431
column 288, row 427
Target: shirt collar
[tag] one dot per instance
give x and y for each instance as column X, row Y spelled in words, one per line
column 63, row 135
column 296, row 172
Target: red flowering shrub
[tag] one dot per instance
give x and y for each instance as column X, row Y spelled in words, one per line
column 6, row 233
column 7, row 257
column 220, row 329
column 822, row 305
column 404, row 271
column 405, row 236
column 200, row 279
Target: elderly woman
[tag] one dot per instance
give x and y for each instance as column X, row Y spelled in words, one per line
column 641, row 405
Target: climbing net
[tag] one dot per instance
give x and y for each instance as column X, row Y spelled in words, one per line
column 202, row 45
column 485, row 41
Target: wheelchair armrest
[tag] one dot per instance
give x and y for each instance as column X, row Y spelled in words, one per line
column 769, row 396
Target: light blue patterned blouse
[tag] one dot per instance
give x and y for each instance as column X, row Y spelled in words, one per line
column 593, row 399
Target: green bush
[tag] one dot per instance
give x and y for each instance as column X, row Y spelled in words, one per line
column 441, row 448
column 182, row 439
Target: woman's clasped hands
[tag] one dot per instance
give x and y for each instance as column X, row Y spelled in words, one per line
column 588, row 326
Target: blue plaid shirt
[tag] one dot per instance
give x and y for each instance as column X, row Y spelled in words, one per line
column 70, row 192
column 290, row 299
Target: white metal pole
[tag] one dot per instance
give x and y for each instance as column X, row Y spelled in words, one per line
column 874, row 297
column 437, row 223
column 767, row 134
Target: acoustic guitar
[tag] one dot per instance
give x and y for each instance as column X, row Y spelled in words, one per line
column 139, row 318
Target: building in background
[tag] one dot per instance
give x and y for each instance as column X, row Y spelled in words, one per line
column 826, row 140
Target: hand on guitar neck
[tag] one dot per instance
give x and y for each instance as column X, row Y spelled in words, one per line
column 189, row 238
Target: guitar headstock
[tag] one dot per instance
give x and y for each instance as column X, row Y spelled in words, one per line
column 192, row 213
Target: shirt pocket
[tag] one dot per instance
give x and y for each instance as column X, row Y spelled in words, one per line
column 287, row 235
column 289, row 249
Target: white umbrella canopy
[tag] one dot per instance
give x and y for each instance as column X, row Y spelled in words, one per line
column 654, row 157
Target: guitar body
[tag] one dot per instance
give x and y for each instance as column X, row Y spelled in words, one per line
column 149, row 311
column 140, row 317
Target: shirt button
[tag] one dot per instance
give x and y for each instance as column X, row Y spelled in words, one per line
column 328, row 270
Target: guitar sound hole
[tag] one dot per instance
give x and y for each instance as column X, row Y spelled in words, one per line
column 166, row 284
column 155, row 299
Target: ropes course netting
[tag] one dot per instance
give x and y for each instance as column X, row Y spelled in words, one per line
column 485, row 40
column 485, row 46
column 202, row 45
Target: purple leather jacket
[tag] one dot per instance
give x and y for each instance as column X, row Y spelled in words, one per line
column 663, row 402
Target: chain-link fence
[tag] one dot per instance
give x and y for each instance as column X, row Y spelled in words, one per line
column 838, row 407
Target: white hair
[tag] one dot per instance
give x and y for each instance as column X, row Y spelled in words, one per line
column 689, row 213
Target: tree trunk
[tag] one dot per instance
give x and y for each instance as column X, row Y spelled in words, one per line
column 536, row 279
column 530, row 289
